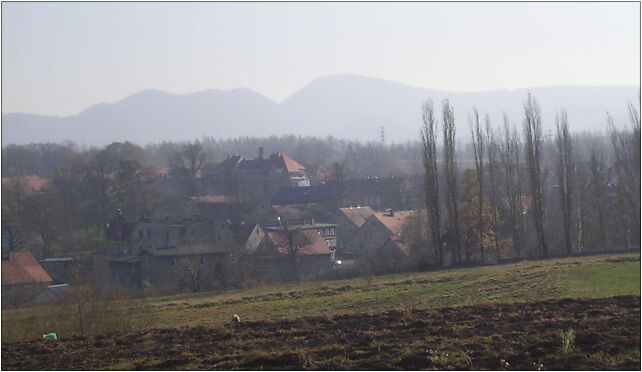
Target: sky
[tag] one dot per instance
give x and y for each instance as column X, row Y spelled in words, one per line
column 60, row 58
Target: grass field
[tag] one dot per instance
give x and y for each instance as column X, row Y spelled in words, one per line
column 576, row 313
column 517, row 316
column 596, row 276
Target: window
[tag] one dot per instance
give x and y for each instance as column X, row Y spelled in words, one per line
column 140, row 234
column 202, row 260
column 149, row 233
column 172, row 262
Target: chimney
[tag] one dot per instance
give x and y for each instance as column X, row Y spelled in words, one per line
column 261, row 152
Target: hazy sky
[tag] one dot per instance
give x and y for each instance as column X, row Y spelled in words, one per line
column 59, row 58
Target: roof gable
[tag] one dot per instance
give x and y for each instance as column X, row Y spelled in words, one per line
column 22, row 268
column 394, row 222
column 290, row 164
column 357, row 215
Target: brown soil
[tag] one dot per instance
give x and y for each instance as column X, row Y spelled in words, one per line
column 527, row 336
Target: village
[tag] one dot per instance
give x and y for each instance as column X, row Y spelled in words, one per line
column 264, row 221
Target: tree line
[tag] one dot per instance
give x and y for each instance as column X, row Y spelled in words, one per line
column 526, row 194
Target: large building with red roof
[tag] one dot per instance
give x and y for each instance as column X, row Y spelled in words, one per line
column 276, row 167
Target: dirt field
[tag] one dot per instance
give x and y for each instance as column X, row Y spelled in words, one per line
column 558, row 334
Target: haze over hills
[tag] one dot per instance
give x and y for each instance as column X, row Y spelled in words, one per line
column 343, row 106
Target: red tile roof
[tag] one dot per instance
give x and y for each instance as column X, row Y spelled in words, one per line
column 315, row 246
column 394, row 223
column 290, row 164
column 22, row 268
column 29, row 183
column 358, row 215
column 275, row 161
column 403, row 246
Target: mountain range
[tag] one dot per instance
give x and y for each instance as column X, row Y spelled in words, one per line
column 342, row 106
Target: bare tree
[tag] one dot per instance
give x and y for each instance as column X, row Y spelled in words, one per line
column 626, row 147
column 431, row 180
column 533, row 149
column 509, row 154
column 478, row 150
column 296, row 240
column 493, row 170
column 599, row 179
column 187, row 163
column 450, row 167
column 565, row 175
column 191, row 274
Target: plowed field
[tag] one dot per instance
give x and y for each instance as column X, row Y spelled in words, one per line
column 575, row 334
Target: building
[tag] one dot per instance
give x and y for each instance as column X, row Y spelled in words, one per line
column 165, row 254
column 22, row 278
column 306, row 217
column 193, row 268
column 382, row 236
column 349, row 221
column 300, row 254
column 132, row 237
column 268, row 174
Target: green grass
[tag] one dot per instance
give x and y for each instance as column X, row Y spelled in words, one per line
column 604, row 279
column 596, row 276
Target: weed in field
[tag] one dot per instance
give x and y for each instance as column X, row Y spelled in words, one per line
column 568, row 341
column 539, row 366
column 408, row 308
column 503, row 363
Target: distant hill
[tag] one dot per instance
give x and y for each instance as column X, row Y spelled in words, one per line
column 343, row 106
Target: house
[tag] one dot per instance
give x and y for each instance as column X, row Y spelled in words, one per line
column 349, row 221
column 193, row 267
column 381, row 235
column 132, row 237
column 284, row 257
column 269, row 174
column 22, row 278
column 197, row 246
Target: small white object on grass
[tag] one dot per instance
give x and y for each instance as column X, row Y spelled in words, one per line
column 236, row 318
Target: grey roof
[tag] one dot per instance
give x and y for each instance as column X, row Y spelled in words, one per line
column 59, row 288
column 58, row 259
column 187, row 250
column 125, row 259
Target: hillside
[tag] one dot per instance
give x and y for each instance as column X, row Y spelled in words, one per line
column 518, row 316
column 343, row 106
